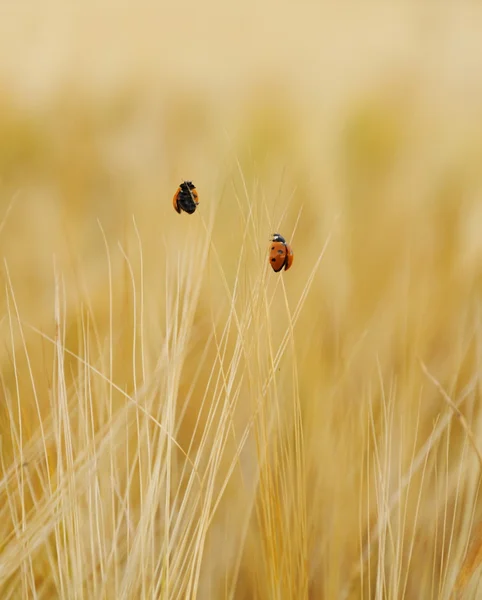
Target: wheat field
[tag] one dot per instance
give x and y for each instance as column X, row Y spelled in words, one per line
column 177, row 421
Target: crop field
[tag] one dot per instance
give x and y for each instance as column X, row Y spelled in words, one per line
column 177, row 420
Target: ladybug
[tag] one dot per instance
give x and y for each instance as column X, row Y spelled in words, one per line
column 281, row 254
column 185, row 198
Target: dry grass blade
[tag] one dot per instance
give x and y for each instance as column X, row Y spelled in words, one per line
column 471, row 563
column 417, row 463
column 473, row 558
column 457, row 413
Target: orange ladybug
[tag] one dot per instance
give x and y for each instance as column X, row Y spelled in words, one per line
column 281, row 254
column 185, row 198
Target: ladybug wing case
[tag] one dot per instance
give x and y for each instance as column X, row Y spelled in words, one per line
column 289, row 257
column 277, row 256
column 175, row 201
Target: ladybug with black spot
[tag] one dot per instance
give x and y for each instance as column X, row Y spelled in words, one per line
column 281, row 254
column 186, row 198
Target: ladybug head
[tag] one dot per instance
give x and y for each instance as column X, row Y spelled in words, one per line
column 188, row 185
column 278, row 238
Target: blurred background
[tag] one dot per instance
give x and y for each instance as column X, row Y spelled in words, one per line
column 178, row 422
